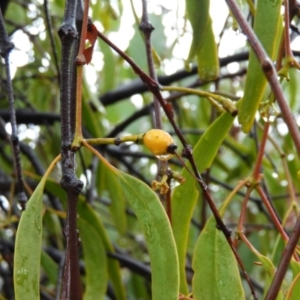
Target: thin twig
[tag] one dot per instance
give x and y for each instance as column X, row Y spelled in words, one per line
column 50, row 30
column 147, row 28
column 284, row 263
column 5, row 48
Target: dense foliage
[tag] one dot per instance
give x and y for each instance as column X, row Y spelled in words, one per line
column 150, row 228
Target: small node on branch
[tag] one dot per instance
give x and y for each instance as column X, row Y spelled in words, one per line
column 71, row 184
column 14, row 139
column 5, row 47
column 67, row 30
column 22, row 199
column 227, row 232
column 117, row 141
column 267, row 66
column 187, row 151
column 146, row 27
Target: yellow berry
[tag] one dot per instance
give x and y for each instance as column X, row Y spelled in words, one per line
column 158, row 142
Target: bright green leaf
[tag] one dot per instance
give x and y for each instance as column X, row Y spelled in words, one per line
column 95, row 262
column 185, row 196
column 216, row 274
column 198, row 14
column 118, row 204
column 207, row 56
column 87, row 214
column 28, row 245
column 268, row 31
column 158, row 234
column 203, row 43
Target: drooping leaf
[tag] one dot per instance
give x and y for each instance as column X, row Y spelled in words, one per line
column 28, row 245
column 95, row 259
column 216, row 274
column 158, row 233
column 157, row 230
column 87, row 214
column 118, row 204
column 203, row 44
column 184, row 200
column 185, row 196
column 198, row 14
column 207, row 56
column 268, row 30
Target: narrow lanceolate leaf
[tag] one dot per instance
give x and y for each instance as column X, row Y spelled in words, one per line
column 216, row 274
column 267, row 27
column 185, row 196
column 28, row 245
column 158, row 234
column 203, row 44
column 95, row 262
column 207, row 56
column 89, row 215
column 118, row 204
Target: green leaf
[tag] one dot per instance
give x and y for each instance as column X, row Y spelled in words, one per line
column 204, row 153
column 207, row 56
column 158, row 234
column 216, row 274
column 182, row 212
column 118, row 204
column 28, row 245
column 95, row 262
column 156, row 227
column 50, row 267
column 87, row 214
column 203, row 43
column 198, row 14
column 268, row 30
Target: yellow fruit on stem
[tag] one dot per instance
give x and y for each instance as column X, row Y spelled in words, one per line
column 160, row 143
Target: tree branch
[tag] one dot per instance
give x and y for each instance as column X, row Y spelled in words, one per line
column 68, row 33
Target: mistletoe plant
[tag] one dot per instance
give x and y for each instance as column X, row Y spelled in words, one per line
column 216, row 265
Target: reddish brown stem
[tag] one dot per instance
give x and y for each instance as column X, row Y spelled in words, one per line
column 261, row 152
column 274, row 217
column 284, row 263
